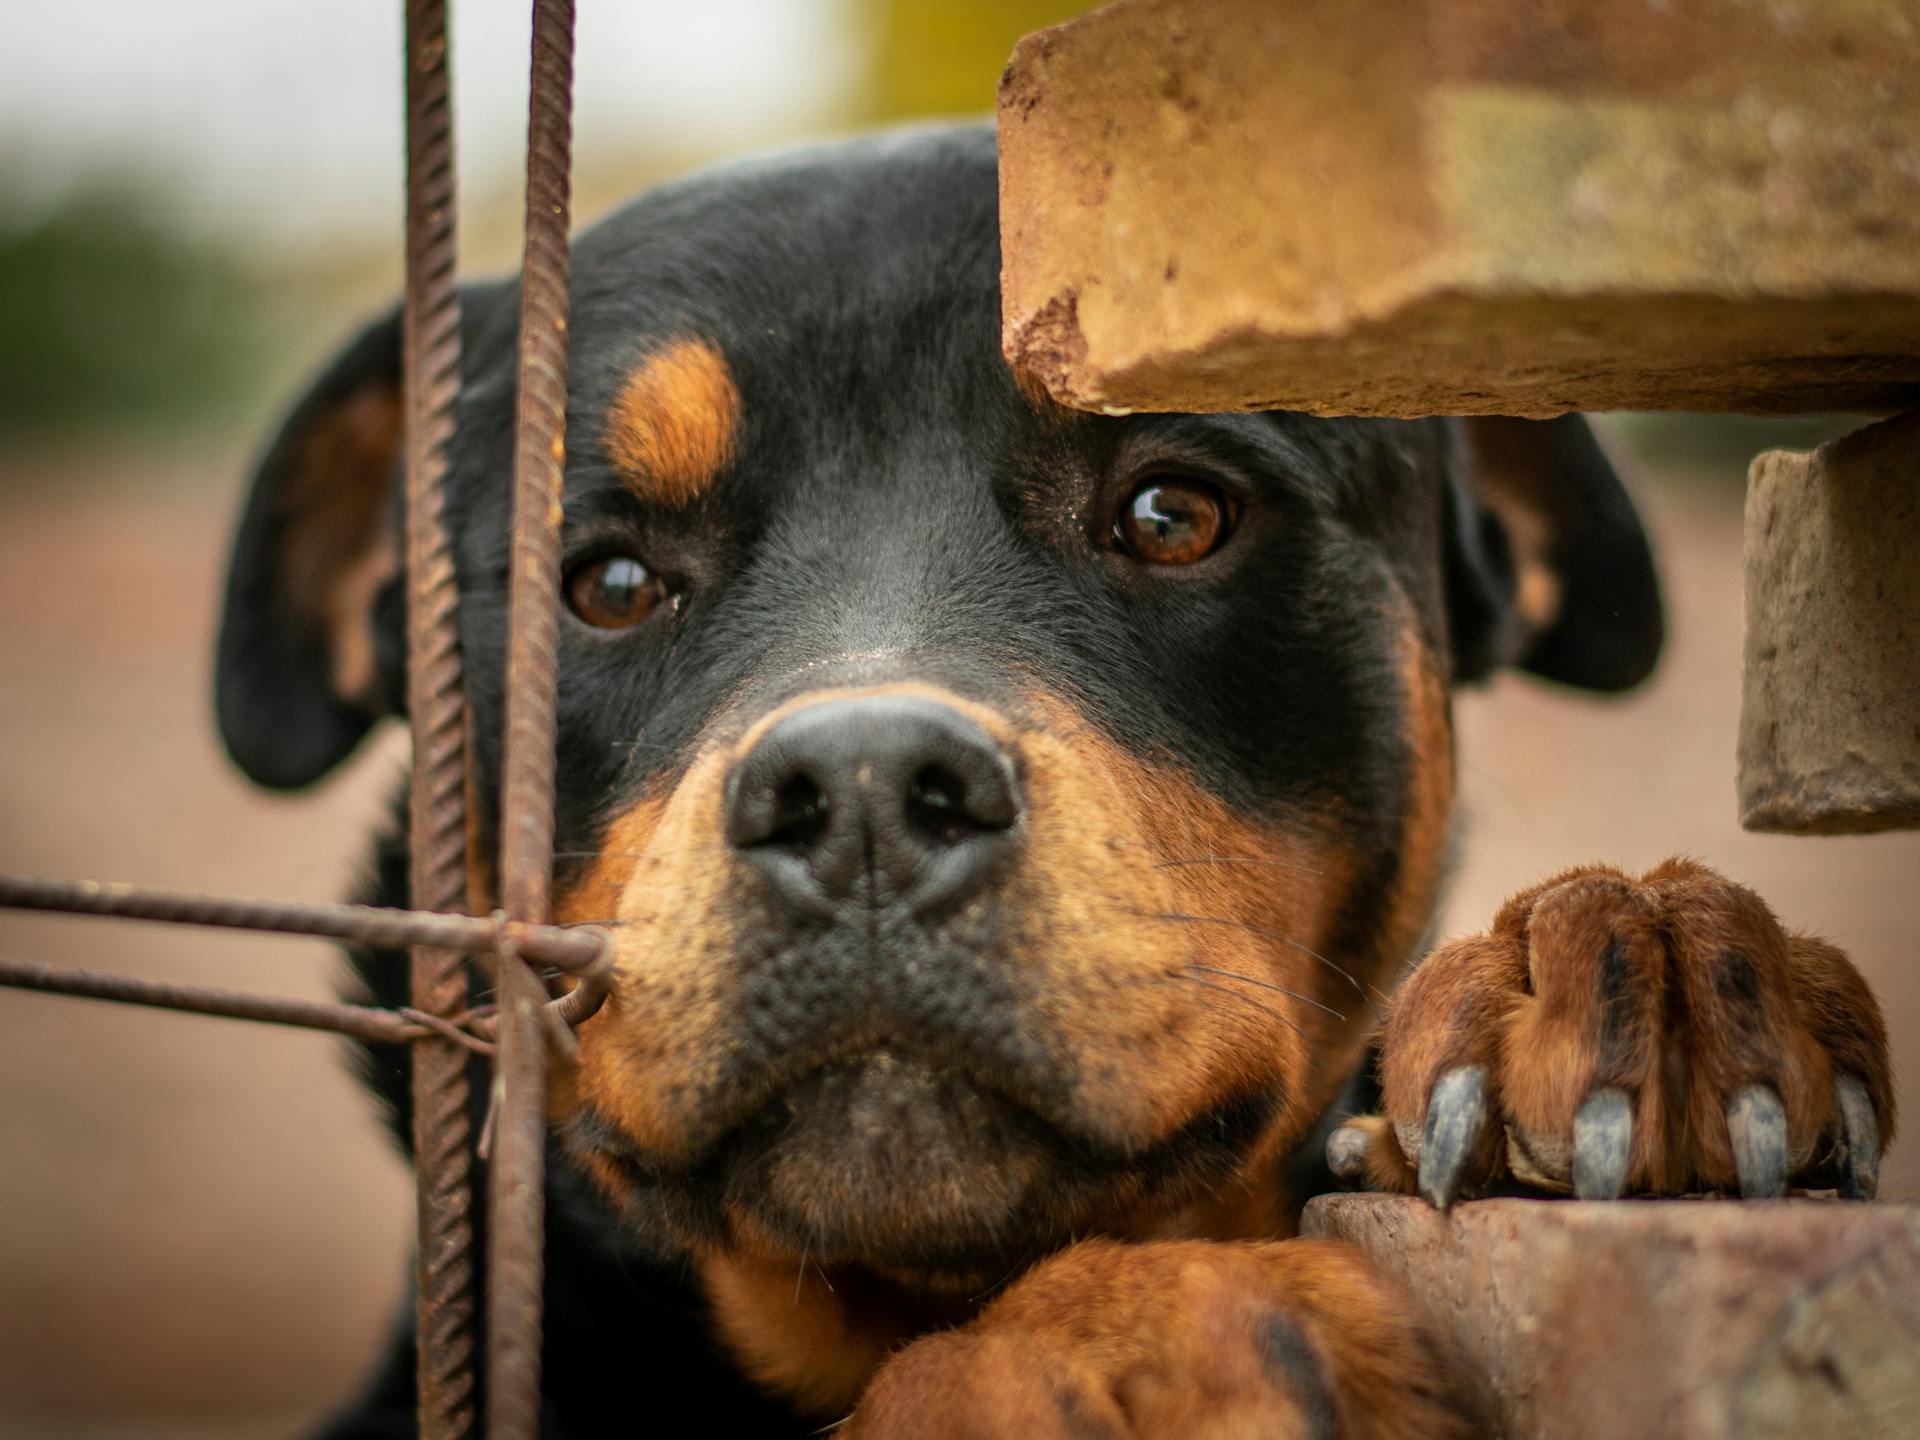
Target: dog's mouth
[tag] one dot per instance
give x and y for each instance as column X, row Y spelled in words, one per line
column 886, row 1157
column 892, row 1161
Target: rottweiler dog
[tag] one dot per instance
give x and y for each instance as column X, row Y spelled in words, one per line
column 1011, row 821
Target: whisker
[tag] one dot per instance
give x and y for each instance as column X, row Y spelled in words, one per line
column 995, row 1286
column 1267, row 985
column 1239, row 860
column 821, row 1271
column 641, row 854
column 1259, row 930
column 1244, row 998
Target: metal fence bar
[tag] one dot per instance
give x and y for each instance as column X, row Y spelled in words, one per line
column 518, row 1161
column 574, row 950
column 441, row 1026
column 371, row 1023
column 436, row 706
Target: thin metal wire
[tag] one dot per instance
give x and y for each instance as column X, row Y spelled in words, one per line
column 436, row 706
column 470, row 1027
column 370, row 1023
column 518, row 1163
column 573, row 950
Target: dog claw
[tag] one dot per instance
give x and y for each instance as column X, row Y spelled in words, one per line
column 1456, row 1114
column 1859, row 1138
column 1602, row 1145
column 1757, row 1126
column 1347, row 1152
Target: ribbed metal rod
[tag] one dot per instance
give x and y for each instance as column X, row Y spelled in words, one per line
column 571, row 950
column 436, row 706
column 517, row 1167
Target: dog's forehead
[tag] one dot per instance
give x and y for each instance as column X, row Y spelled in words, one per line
column 816, row 284
column 828, row 321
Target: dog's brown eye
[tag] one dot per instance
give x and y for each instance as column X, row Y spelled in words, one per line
column 1172, row 521
column 614, row 592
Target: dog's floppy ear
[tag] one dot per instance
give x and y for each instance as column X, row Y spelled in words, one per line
column 312, row 646
column 1548, row 567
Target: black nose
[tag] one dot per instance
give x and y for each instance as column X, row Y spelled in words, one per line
column 882, row 798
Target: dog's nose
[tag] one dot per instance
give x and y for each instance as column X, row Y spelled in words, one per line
column 883, row 798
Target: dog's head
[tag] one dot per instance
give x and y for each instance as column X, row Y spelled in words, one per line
column 1006, row 815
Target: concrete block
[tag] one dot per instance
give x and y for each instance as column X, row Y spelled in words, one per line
column 1830, row 710
column 1642, row 1320
column 1467, row 206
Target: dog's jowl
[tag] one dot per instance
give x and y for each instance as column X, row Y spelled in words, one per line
column 1012, row 823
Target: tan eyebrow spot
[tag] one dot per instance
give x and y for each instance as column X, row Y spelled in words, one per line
column 1028, row 382
column 673, row 427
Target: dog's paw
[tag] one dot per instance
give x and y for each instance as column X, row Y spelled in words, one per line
column 1612, row 1035
column 1189, row 1339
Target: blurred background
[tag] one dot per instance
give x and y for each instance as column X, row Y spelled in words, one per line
column 205, row 1233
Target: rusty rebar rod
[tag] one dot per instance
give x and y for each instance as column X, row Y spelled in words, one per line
column 574, row 951
column 518, row 1164
column 373, row 1024
column 436, row 707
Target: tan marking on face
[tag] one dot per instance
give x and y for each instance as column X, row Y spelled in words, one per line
column 1030, row 385
column 1426, row 830
column 662, row 883
column 675, row 424
column 1168, row 930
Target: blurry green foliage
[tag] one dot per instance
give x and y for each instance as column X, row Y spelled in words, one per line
column 1719, row 447
column 944, row 57
column 111, row 316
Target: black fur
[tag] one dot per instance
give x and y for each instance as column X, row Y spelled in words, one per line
column 894, row 491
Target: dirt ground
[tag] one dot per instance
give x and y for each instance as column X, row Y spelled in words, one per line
column 205, row 1232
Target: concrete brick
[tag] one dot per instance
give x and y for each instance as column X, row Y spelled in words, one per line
column 1641, row 1320
column 1467, row 206
column 1830, row 709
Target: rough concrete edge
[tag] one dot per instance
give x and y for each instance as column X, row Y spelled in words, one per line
column 1047, row 343
column 1771, row 802
column 1465, row 1244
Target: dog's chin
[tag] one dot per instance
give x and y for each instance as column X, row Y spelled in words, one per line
column 924, row 1172
column 888, row 1162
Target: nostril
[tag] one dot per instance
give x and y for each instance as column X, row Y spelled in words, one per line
column 945, row 807
column 799, row 814
column 936, row 805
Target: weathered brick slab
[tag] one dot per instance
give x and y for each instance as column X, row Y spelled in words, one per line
column 1467, row 206
column 1830, row 710
column 1642, row 1320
